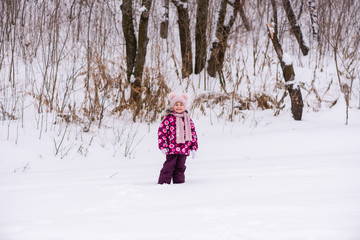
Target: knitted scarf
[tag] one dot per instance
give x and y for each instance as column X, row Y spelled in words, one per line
column 179, row 127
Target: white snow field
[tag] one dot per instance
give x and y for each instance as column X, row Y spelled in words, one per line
column 266, row 178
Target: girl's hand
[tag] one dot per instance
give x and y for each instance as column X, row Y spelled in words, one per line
column 193, row 154
column 164, row 151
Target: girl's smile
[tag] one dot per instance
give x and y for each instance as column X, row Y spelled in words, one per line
column 179, row 107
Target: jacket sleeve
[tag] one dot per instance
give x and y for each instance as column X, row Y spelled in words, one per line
column 163, row 134
column 194, row 142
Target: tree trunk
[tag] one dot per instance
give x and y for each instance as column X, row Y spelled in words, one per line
column 129, row 35
column 185, row 37
column 135, row 51
column 297, row 104
column 314, row 20
column 200, row 35
column 295, row 28
column 215, row 63
column 165, row 20
column 136, row 88
column 243, row 16
column 287, row 68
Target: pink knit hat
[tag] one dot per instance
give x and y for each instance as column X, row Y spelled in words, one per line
column 173, row 98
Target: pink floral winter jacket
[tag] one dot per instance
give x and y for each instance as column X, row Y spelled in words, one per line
column 167, row 137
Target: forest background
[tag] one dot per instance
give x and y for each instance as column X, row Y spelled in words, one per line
column 82, row 61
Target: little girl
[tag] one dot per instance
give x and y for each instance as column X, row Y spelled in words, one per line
column 177, row 138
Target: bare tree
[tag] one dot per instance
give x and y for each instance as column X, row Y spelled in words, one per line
column 218, row 49
column 243, row 16
column 314, row 20
column 137, row 51
column 164, row 26
column 287, row 68
column 200, row 35
column 295, row 28
column 12, row 10
column 346, row 50
column 129, row 34
column 141, row 54
column 185, row 37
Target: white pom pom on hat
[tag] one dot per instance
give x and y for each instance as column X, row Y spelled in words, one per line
column 174, row 98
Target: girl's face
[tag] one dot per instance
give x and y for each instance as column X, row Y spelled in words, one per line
column 179, row 107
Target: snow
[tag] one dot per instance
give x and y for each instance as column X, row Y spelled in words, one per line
column 287, row 59
column 260, row 178
column 132, row 78
column 295, row 83
column 143, row 9
column 180, row 3
column 271, row 27
column 164, row 18
column 359, row 89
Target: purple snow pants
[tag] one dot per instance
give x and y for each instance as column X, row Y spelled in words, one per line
column 173, row 168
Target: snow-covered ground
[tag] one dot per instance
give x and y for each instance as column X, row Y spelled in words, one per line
column 266, row 178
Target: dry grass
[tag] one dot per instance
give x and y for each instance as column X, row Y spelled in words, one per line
column 235, row 103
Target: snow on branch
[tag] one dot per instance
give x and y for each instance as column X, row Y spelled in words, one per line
column 294, row 83
column 286, row 58
column 143, row 9
column 180, row 4
column 271, row 29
